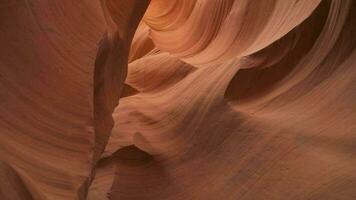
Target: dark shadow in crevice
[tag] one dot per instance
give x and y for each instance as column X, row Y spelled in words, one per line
column 131, row 156
column 128, row 90
column 277, row 60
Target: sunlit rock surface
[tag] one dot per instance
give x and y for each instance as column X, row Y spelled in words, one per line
column 178, row 99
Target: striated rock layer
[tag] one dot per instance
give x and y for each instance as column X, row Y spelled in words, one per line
column 63, row 64
column 179, row 99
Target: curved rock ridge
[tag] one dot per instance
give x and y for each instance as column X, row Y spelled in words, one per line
column 178, row 99
column 204, row 32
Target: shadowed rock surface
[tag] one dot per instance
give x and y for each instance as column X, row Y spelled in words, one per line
column 178, row 100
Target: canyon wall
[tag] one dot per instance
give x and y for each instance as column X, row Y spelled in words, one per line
column 179, row 99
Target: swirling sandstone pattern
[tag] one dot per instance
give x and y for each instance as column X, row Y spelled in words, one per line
column 178, row 99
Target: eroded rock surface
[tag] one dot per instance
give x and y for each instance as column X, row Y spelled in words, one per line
column 179, row 99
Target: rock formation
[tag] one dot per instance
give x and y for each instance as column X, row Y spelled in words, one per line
column 178, row 99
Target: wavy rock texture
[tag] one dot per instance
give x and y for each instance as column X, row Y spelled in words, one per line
column 63, row 64
column 179, row 99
